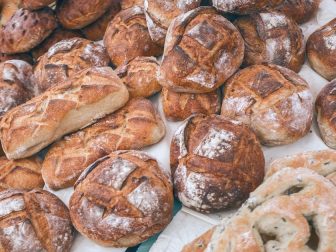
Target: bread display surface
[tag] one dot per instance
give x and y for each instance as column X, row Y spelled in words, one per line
column 125, row 4
column 179, row 106
column 127, row 37
column 272, row 37
column 22, row 174
column 36, row 4
column 122, row 199
column 78, row 102
column 140, row 76
column 16, row 34
column 65, row 59
column 34, row 221
column 159, row 15
column 274, row 101
column 321, row 50
column 202, row 50
column 326, row 113
column 215, row 163
column 135, row 126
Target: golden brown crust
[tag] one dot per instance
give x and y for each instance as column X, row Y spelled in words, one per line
column 20, row 174
column 179, row 106
column 65, row 59
column 140, row 76
column 326, row 114
column 76, row 103
column 274, row 101
column 126, row 30
column 135, row 126
column 125, row 4
column 122, row 199
column 76, row 14
column 215, row 163
column 202, row 51
column 7, row 9
column 321, row 50
column 16, row 34
column 272, row 37
column 36, row 4
column 96, row 30
column 34, row 221
column 244, row 6
column 58, row 35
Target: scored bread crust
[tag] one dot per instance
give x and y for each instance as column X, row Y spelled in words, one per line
column 134, row 126
column 78, row 102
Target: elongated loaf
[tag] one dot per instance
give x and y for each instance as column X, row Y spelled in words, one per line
column 77, row 103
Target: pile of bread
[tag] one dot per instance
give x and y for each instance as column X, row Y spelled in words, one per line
column 75, row 77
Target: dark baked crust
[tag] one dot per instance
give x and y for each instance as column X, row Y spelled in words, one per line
column 34, row 221
column 272, row 37
column 127, row 37
column 179, row 106
column 321, row 50
column 36, row 4
column 130, row 195
column 215, row 163
column 202, row 50
column 244, row 6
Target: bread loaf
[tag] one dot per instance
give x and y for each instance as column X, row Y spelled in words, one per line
column 140, row 76
column 127, row 37
column 133, row 127
column 321, row 50
column 274, row 101
column 122, row 199
column 326, row 114
column 65, row 59
column 78, row 102
column 202, row 51
column 34, row 221
column 272, row 37
column 16, row 34
column 244, row 6
column 36, row 4
column 179, row 106
column 125, row 4
column 215, row 163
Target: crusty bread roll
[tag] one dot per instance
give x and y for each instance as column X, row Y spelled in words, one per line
column 20, row 174
column 125, row 4
column 16, row 34
column 76, row 14
column 274, row 101
column 202, row 50
column 159, row 15
column 15, row 85
column 244, row 6
column 321, row 50
column 7, row 9
column 36, row 4
column 96, row 30
column 127, row 37
column 179, row 106
column 140, row 76
column 76, row 103
column 272, row 37
column 34, row 221
column 58, row 35
column 293, row 210
column 20, row 56
column 215, row 163
column 122, row 199
column 65, row 59
column 326, row 114
column 135, row 126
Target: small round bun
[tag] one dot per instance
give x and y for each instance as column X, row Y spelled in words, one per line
column 125, row 4
column 122, row 200
column 76, row 14
column 127, row 37
column 159, row 15
column 272, row 37
column 140, row 76
column 34, row 221
column 326, row 114
column 36, row 4
column 64, row 59
column 321, row 50
column 179, row 106
column 202, row 50
column 16, row 34
column 216, row 163
column 274, row 101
